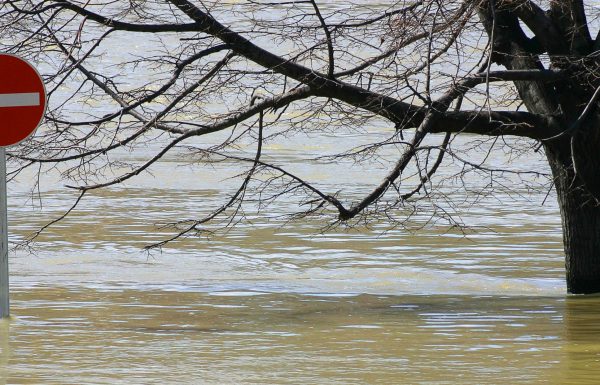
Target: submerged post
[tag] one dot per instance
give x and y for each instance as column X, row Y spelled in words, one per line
column 4, row 299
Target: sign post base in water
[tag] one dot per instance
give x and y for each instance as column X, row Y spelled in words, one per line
column 4, row 301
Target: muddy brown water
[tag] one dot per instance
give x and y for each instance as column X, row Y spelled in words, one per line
column 278, row 302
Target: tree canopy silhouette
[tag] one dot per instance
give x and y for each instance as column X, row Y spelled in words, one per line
column 432, row 69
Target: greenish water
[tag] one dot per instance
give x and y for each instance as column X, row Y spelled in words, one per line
column 278, row 302
column 74, row 335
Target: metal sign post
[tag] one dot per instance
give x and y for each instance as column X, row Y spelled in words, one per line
column 22, row 108
column 4, row 301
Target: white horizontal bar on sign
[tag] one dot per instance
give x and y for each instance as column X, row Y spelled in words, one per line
column 20, row 100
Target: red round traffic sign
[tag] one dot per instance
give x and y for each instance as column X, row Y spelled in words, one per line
column 22, row 99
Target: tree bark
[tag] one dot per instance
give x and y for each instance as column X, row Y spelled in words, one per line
column 578, row 192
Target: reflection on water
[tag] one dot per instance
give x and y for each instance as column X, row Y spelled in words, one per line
column 75, row 335
column 582, row 324
column 278, row 302
column 273, row 302
column 4, row 350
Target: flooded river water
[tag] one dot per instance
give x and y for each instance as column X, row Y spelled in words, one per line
column 274, row 301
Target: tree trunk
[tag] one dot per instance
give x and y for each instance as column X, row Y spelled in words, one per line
column 578, row 191
column 581, row 235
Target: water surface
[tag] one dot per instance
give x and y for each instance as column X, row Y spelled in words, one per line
column 284, row 302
